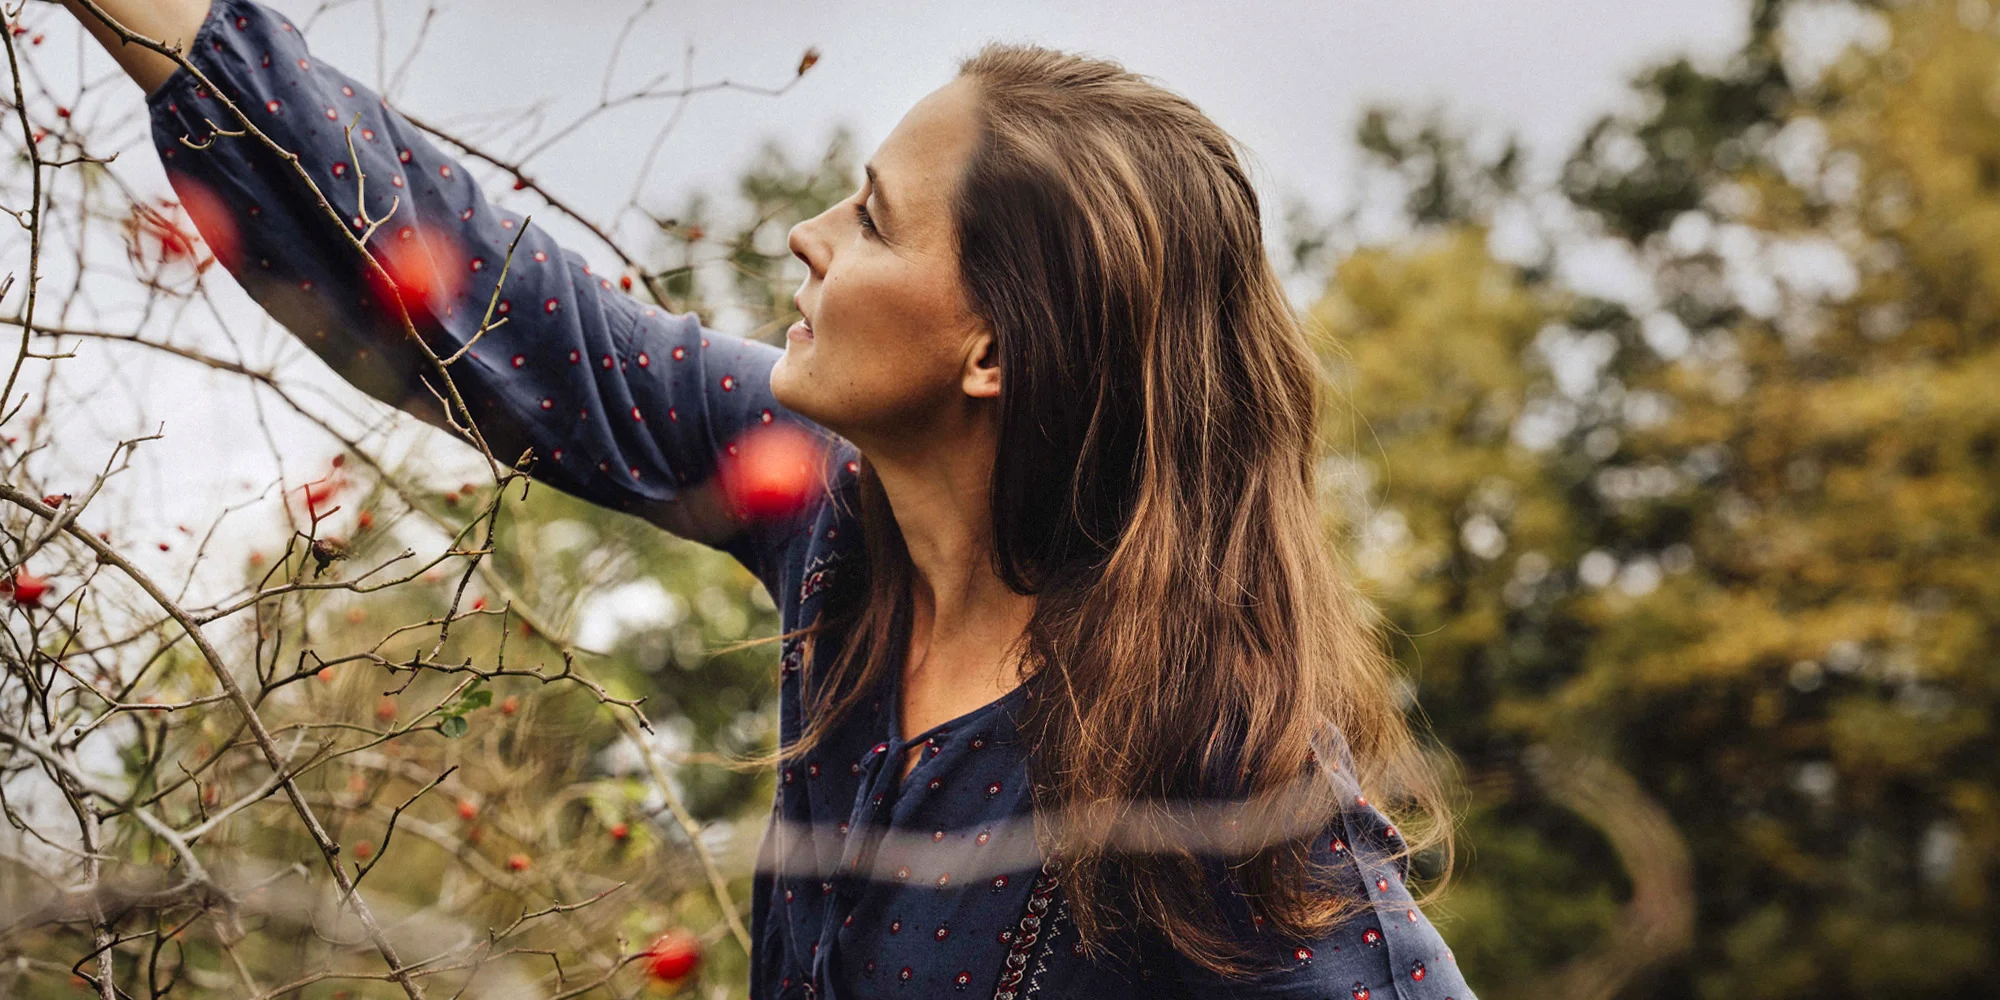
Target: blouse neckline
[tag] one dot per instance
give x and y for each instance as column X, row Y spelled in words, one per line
column 894, row 695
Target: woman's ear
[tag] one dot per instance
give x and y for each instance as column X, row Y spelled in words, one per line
column 982, row 371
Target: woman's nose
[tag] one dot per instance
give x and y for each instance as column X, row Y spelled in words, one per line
column 800, row 241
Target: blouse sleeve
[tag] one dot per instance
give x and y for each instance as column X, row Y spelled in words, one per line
column 623, row 404
column 1389, row 951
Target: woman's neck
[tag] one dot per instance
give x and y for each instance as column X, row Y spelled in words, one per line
column 966, row 620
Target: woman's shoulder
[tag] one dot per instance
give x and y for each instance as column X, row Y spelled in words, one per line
column 1386, row 950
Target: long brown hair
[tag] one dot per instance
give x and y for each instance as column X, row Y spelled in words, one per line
column 1154, row 487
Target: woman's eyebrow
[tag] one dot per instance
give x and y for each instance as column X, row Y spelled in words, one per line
column 882, row 197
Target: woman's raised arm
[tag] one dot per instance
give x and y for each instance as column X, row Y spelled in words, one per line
column 168, row 21
column 623, row 404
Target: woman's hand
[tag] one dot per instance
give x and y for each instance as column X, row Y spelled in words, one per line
column 172, row 22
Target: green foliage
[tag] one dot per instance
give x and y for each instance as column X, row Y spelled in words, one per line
column 779, row 195
column 451, row 718
column 1736, row 546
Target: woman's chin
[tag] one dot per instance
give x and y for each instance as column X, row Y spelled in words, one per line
column 786, row 377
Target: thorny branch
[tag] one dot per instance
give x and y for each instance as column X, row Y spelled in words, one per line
column 192, row 693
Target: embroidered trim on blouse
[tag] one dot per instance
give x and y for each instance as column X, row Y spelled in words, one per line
column 818, row 573
column 793, row 657
column 1048, row 948
column 1016, row 967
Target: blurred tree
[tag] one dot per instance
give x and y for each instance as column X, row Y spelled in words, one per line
column 1709, row 568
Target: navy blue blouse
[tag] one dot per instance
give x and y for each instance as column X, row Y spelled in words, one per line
column 869, row 883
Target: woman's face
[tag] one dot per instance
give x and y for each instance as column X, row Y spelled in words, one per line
column 892, row 353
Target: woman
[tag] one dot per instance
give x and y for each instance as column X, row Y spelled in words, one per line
column 1066, row 590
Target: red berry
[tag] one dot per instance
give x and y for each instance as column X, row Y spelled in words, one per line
column 625, row 282
column 366, row 519
column 27, row 589
column 517, row 862
column 214, row 218
column 466, row 810
column 771, row 471
column 422, row 264
column 363, row 849
column 674, row 955
column 385, row 709
column 478, row 603
column 619, row 831
column 509, row 705
column 320, row 492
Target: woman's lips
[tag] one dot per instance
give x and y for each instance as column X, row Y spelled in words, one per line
column 799, row 331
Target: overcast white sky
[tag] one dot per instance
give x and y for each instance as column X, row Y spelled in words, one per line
column 1287, row 77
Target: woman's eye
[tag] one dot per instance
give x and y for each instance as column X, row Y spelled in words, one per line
column 867, row 221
